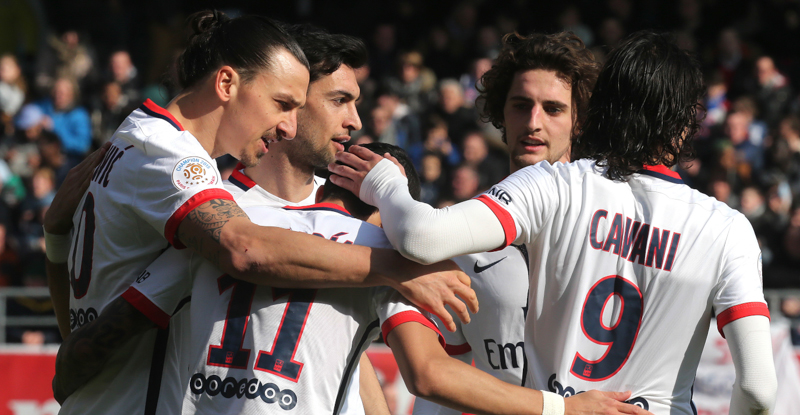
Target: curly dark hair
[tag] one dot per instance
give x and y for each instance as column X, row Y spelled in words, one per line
column 562, row 52
column 644, row 108
column 325, row 51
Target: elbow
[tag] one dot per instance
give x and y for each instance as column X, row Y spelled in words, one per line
column 423, row 382
column 760, row 396
column 410, row 245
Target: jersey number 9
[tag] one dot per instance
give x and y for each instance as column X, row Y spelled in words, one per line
column 619, row 338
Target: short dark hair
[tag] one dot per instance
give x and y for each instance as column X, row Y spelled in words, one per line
column 246, row 43
column 564, row 53
column 362, row 210
column 643, row 110
column 326, row 52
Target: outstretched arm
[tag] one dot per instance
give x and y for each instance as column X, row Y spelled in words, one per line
column 416, row 229
column 85, row 352
column 221, row 232
column 430, row 373
column 756, row 386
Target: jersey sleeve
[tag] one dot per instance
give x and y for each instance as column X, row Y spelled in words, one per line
column 172, row 183
column 739, row 291
column 162, row 286
column 523, row 202
column 456, row 344
column 393, row 310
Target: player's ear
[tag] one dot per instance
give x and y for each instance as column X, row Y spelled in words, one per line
column 225, row 83
column 318, row 196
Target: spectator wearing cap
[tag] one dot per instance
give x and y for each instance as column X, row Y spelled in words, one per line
column 69, row 121
column 21, row 150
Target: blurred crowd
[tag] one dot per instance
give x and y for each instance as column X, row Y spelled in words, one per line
column 70, row 72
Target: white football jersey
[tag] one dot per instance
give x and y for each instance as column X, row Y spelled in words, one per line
column 494, row 337
column 153, row 175
column 625, row 277
column 248, row 193
column 308, row 342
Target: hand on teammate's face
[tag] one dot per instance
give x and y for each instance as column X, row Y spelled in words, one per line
column 357, row 163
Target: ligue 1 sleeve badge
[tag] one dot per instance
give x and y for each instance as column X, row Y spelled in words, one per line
column 194, row 171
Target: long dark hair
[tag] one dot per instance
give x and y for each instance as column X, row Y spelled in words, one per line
column 246, row 43
column 644, row 107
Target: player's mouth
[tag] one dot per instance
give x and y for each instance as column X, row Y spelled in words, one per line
column 266, row 139
column 532, row 144
column 339, row 141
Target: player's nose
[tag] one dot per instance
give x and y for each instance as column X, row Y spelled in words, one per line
column 287, row 128
column 352, row 122
column 537, row 115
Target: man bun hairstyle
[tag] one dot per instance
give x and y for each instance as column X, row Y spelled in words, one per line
column 644, row 108
column 246, row 43
column 362, row 210
column 327, row 52
column 563, row 52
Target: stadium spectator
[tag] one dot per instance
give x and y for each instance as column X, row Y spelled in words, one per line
column 491, row 168
column 452, row 108
column 68, row 120
column 12, row 91
column 115, row 106
column 774, row 93
column 414, row 83
column 125, row 75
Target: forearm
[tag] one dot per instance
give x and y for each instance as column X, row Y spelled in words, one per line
column 86, row 351
column 431, row 374
column 425, row 234
column 283, row 258
column 58, row 283
column 371, row 392
column 755, row 387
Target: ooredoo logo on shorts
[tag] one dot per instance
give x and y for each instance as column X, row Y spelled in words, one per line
column 194, row 171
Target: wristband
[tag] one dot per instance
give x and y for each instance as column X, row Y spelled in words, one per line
column 57, row 247
column 552, row 403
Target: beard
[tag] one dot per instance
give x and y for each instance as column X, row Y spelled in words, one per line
column 303, row 151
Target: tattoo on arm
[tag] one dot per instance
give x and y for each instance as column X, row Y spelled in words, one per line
column 85, row 352
column 214, row 214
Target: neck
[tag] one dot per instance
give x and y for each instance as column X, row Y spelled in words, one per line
column 200, row 114
column 278, row 176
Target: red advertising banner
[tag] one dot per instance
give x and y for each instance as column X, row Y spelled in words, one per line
column 25, row 385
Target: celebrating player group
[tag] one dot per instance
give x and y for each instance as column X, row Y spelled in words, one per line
column 596, row 269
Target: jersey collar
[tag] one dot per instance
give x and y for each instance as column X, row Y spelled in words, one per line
column 330, row 207
column 661, row 172
column 152, row 109
column 240, row 180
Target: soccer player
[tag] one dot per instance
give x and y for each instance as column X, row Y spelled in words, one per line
column 285, row 175
column 307, row 341
column 630, row 263
column 243, row 80
column 536, row 93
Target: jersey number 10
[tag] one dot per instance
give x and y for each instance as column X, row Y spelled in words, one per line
column 280, row 360
column 619, row 338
